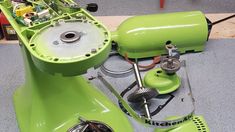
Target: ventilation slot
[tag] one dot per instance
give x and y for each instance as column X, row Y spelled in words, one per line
column 201, row 127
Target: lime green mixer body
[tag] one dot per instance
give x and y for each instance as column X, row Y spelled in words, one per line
column 146, row 36
column 60, row 41
column 54, row 97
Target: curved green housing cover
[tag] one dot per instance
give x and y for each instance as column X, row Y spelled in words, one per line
column 159, row 80
column 52, row 99
column 54, row 103
column 71, row 66
column 146, row 36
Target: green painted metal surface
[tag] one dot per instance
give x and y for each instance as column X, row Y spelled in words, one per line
column 146, row 36
column 49, row 63
column 54, row 97
column 47, row 103
column 162, row 82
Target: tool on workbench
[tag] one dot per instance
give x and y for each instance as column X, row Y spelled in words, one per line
column 142, row 94
column 146, row 36
column 186, row 123
column 164, row 79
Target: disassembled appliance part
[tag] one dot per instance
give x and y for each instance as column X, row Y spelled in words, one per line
column 164, row 79
column 159, row 80
column 142, row 94
column 146, row 36
column 183, row 123
column 56, row 53
column 171, row 64
column 115, row 73
column 90, row 126
column 60, row 41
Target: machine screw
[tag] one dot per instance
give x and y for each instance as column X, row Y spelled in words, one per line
column 93, row 51
column 56, row 42
column 170, row 63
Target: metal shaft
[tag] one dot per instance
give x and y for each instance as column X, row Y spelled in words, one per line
column 137, row 75
column 140, row 85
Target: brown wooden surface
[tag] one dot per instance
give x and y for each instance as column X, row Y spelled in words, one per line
column 219, row 31
column 222, row 30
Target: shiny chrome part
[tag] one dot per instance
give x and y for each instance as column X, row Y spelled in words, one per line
column 70, row 36
column 152, row 122
column 146, row 108
column 170, row 65
column 172, row 51
column 115, row 74
column 91, row 126
column 137, row 75
column 138, row 95
column 142, row 94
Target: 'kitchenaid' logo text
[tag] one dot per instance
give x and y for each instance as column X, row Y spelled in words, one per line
column 167, row 124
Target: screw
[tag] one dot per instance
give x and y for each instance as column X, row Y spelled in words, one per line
column 93, row 51
column 170, row 63
column 56, row 42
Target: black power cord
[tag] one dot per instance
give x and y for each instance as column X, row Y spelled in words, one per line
column 222, row 20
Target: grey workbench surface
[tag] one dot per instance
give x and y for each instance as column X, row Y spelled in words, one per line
column 133, row 7
column 211, row 74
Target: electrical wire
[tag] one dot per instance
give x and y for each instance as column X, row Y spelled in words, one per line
column 222, row 20
column 156, row 60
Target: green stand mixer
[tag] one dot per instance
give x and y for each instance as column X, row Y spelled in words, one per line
column 56, row 52
column 60, row 41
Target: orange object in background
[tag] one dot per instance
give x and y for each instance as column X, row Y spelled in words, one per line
column 1, row 33
column 8, row 31
column 162, row 2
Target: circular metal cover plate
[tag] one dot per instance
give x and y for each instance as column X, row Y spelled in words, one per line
column 69, row 40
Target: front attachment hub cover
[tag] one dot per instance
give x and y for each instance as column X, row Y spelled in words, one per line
column 70, row 47
column 159, row 80
column 141, row 93
column 70, row 36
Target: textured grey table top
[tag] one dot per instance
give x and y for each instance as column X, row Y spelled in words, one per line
column 133, row 7
column 211, row 74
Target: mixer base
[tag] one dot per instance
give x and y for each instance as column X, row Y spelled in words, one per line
column 47, row 103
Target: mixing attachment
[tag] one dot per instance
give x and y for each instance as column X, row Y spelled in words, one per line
column 141, row 94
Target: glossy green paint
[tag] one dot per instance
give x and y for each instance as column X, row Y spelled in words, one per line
column 53, row 98
column 198, row 124
column 48, row 63
column 146, row 36
column 68, row 66
column 54, row 103
column 162, row 82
